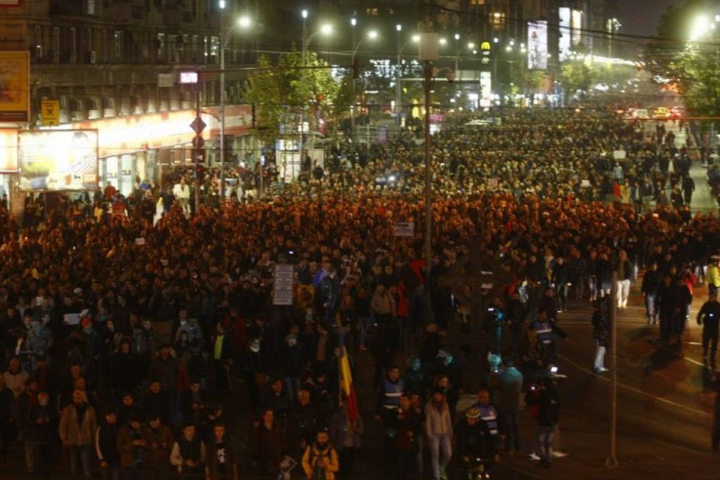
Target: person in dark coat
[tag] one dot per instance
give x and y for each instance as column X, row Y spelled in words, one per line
column 223, row 354
column 42, row 433
column 302, row 423
column 7, row 425
column 125, row 368
column 106, row 446
column 267, row 444
column 220, row 458
column 601, row 332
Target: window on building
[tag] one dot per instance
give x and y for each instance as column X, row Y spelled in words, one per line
column 215, row 49
column 172, row 48
column 73, row 45
column 477, row 3
column 195, row 48
column 91, row 7
column 161, row 46
column 56, row 43
column 373, row 12
column 38, row 41
column 119, row 44
column 497, row 20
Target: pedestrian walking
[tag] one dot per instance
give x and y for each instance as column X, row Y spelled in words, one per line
column 439, row 431
column 548, row 404
column 709, row 318
column 601, row 333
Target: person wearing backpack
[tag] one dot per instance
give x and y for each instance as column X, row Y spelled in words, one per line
column 547, row 401
column 320, row 460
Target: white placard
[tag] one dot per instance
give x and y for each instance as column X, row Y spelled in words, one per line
column 404, row 229
column 283, row 284
column 71, row 319
column 619, row 154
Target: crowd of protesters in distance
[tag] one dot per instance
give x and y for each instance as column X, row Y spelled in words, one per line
column 125, row 334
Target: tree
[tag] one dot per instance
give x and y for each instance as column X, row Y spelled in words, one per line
column 674, row 29
column 576, row 75
column 283, row 93
column 687, row 59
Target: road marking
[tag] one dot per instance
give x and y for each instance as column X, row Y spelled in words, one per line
column 635, row 390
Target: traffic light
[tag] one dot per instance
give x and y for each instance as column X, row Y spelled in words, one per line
column 198, row 156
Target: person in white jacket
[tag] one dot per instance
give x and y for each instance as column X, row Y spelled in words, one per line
column 439, row 430
column 182, row 194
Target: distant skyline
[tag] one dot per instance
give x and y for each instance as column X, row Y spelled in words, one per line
column 641, row 17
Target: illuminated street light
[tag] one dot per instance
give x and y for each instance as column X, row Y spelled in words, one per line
column 700, row 27
column 371, row 35
column 471, row 46
column 443, row 41
column 244, row 22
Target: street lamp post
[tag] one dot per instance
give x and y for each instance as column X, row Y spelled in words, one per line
column 243, row 22
column 326, row 29
column 372, row 34
column 398, row 75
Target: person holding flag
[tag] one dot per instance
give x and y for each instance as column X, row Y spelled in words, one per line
column 346, row 426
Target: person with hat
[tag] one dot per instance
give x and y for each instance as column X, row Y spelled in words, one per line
column 474, row 443
column 439, row 431
column 709, row 318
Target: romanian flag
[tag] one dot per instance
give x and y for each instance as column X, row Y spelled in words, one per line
column 347, row 389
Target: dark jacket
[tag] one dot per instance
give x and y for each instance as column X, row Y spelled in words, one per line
column 106, row 444
column 45, row 432
column 212, row 461
column 7, row 405
column 267, row 447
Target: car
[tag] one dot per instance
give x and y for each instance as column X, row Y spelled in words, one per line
column 677, row 112
column 641, row 113
column 662, row 113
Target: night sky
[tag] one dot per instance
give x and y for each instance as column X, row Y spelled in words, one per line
column 640, row 17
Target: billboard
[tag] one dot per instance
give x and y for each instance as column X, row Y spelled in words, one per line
column 565, row 41
column 58, row 160
column 8, row 151
column 578, row 24
column 14, row 87
column 537, row 45
column 485, row 89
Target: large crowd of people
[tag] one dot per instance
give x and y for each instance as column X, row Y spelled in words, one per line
column 125, row 330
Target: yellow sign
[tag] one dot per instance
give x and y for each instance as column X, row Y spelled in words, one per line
column 485, row 46
column 50, row 112
column 14, row 87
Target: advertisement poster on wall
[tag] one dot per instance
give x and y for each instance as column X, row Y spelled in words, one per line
column 537, row 45
column 8, row 150
column 58, row 160
column 14, row 86
column 565, row 41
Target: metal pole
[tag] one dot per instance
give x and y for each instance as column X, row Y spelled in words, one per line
column 612, row 458
column 306, row 41
column 222, row 117
column 428, row 178
column 398, row 89
column 352, row 108
column 196, row 150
